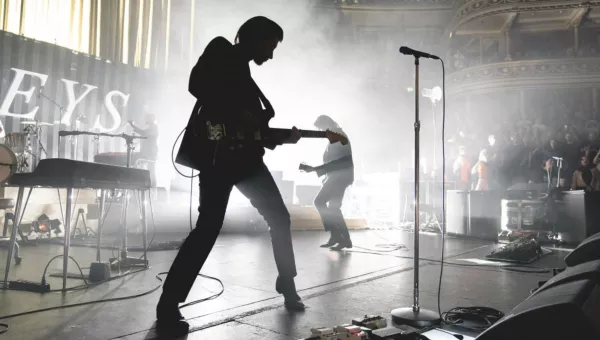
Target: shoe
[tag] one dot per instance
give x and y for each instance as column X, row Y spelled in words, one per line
column 169, row 321
column 345, row 242
column 333, row 239
column 287, row 288
column 172, row 329
column 341, row 245
column 294, row 305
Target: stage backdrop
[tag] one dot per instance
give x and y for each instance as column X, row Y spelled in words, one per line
column 95, row 95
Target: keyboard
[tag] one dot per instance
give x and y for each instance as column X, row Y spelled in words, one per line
column 113, row 158
column 66, row 173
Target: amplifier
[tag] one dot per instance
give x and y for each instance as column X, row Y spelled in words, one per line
column 474, row 214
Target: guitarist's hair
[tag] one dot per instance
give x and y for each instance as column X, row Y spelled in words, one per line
column 258, row 28
column 327, row 121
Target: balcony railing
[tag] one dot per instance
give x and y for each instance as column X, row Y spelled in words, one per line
column 385, row 4
column 544, row 73
column 466, row 11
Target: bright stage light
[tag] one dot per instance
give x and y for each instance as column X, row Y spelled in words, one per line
column 434, row 94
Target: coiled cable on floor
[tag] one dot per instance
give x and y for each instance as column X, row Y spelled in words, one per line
column 483, row 316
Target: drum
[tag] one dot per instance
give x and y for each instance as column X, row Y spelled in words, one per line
column 16, row 141
column 8, row 163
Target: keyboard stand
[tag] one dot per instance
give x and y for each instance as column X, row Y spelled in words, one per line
column 67, row 232
column 77, row 175
column 13, row 234
column 125, row 260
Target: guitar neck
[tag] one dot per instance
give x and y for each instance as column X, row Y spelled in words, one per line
column 284, row 133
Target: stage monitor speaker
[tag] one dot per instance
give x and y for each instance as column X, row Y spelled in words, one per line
column 567, row 311
column 588, row 250
column 585, row 271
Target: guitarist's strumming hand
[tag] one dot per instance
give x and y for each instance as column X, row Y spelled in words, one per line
column 250, row 120
column 293, row 138
column 307, row 168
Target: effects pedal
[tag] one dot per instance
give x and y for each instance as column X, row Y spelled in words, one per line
column 323, row 333
column 370, row 321
column 350, row 332
column 397, row 332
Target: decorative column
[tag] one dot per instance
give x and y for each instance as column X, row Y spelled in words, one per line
column 522, row 104
column 508, row 42
column 468, row 106
column 595, row 103
column 480, row 50
column 576, row 38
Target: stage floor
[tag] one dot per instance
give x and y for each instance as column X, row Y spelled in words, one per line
column 336, row 286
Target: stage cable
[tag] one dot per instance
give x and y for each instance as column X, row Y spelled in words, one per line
column 191, row 177
column 485, row 316
column 173, row 155
column 443, row 224
column 511, row 267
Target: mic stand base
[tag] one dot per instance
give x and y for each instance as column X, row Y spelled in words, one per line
column 418, row 319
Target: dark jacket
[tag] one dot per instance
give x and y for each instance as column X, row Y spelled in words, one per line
column 223, row 86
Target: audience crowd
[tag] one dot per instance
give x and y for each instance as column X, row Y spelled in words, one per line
column 563, row 155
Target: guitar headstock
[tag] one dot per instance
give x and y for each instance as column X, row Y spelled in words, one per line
column 303, row 167
column 334, row 137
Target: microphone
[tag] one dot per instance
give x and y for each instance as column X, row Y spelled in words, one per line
column 417, row 54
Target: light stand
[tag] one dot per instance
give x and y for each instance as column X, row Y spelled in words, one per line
column 416, row 316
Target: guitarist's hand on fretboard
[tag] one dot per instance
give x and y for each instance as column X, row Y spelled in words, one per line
column 294, row 136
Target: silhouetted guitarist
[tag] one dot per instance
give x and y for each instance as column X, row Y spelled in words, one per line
column 226, row 93
column 338, row 173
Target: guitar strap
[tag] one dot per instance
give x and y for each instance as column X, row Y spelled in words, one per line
column 266, row 103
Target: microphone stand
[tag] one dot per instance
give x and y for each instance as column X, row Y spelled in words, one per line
column 416, row 316
column 60, row 108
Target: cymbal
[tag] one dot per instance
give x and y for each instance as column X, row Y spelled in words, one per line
column 33, row 122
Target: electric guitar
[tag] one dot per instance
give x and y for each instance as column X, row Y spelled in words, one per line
column 209, row 144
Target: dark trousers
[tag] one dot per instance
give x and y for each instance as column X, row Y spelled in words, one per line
column 260, row 188
column 329, row 203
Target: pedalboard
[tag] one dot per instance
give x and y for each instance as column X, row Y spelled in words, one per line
column 29, row 286
column 367, row 327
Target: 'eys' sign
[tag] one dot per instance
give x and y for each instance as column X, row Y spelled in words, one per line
column 73, row 100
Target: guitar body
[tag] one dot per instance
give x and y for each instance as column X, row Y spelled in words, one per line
column 210, row 144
